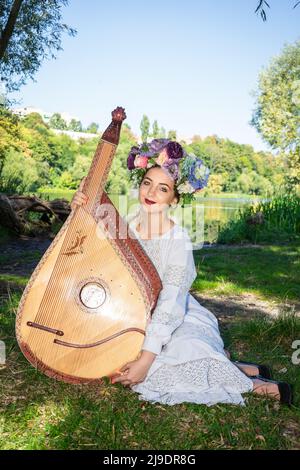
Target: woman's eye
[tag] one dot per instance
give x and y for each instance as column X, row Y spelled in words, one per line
column 164, row 190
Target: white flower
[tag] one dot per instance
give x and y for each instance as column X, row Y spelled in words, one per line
column 185, row 188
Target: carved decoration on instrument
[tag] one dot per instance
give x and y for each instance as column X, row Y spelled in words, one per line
column 76, row 245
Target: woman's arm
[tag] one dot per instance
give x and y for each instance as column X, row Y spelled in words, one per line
column 170, row 309
column 135, row 371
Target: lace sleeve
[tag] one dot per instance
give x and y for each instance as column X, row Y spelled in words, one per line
column 171, row 305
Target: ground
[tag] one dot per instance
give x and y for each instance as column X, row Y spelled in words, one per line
column 245, row 287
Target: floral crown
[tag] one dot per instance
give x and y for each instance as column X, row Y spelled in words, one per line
column 187, row 170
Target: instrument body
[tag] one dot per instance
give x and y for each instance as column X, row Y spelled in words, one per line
column 83, row 313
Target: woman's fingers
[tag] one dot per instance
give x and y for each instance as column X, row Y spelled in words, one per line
column 82, row 184
column 79, row 199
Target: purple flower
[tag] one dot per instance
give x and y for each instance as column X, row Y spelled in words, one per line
column 174, row 150
column 157, row 145
column 131, row 157
column 171, row 166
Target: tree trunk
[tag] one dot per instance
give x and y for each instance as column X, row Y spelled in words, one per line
column 9, row 28
column 14, row 211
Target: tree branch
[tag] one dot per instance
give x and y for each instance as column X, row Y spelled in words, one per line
column 9, row 28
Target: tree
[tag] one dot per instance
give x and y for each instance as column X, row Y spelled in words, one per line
column 75, row 126
column 261, row 8
column 19, row 173
column 93, row 128
column 172, row 135
column 31, row 31
column 145, row 127
column 155, row 130
column 57, row 122
column 277, row 113
column 34, row 121
column 9, row 134
column 162, row 133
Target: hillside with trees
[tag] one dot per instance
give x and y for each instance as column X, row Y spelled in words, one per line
column 33, row 156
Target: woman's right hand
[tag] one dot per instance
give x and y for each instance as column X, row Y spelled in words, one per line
column 79, row 198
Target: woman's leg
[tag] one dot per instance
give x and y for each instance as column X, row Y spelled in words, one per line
column 248, row 369
column 266, row 388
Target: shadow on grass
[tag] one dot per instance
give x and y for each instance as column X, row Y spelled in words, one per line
column 271, row 271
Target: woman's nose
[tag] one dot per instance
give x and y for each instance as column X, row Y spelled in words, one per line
column 151, row 191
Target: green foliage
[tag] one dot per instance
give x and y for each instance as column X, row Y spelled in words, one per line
column 277, row 219
column 19, row 173
column 61, row 162
column 237, row 168
column 118, row 179
column 92, row 128
column 145, row 128
column 57, row 122
column 36, row 35
column 277, row 113
column 172, row 135
column 155, row 130
column 9, row 133
column 75, row 126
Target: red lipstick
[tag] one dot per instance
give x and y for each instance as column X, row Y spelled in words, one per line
column 147, row 201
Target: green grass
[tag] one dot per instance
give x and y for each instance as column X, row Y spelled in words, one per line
column 18, row 280
column 227, row 196
column 37, row 412
column 55, row 193
column 270, row 272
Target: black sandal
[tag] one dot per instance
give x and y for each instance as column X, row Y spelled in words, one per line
column 263, row 370
column 285, row 390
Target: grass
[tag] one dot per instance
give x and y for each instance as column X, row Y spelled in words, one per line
column 55, row 193
column 270, row 272
column 39, row 413
column 227, row 195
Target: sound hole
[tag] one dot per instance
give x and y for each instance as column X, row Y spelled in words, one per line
column 92, row 295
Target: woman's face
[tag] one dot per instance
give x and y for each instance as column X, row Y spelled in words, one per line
column 156, row 191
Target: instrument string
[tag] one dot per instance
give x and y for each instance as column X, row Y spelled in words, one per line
column 68, row 268
column 78, row 317
column 43, row 315
column 59, row 308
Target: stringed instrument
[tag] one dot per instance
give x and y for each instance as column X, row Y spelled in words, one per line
column 83, row 314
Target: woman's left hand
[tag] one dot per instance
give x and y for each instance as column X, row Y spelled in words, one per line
column 132, row 373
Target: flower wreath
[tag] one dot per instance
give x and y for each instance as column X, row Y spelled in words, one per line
column 187, row 170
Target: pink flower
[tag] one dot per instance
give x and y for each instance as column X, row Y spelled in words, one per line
column 140, row 162
column 162, row 158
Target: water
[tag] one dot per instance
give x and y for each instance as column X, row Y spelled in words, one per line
column 218, row 211
column 203, row 220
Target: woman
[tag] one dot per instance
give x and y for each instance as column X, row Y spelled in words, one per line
column 183, row 357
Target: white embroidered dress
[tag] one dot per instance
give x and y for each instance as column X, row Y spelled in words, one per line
column 191, row 365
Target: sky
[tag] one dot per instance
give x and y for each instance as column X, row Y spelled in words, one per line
column 191, row 65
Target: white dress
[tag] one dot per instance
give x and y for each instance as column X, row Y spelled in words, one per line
column 191, row 365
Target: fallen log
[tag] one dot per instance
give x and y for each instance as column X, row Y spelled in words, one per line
column 15, row 213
